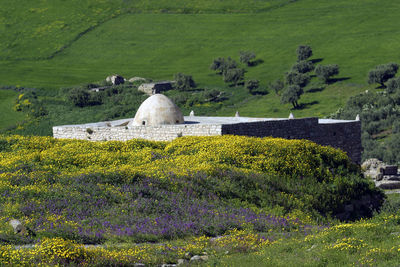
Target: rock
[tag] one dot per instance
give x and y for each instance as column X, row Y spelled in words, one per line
column 135, row 79
column 199, row 258
column 312, row 247
column 168, row 265
column 18, row 227
column 115, row 79
column 372, row 168
column 385, row 184
column 390, row 170
column 180, row 262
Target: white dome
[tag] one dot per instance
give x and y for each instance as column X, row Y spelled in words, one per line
column 157, row 110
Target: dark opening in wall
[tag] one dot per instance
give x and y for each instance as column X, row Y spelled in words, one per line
column 334, row 133
column 143, row 122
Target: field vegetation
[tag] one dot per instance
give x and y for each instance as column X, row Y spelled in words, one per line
column 155, row 39
column 170, row 200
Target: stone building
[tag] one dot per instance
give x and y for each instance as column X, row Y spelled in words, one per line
column 158, row 118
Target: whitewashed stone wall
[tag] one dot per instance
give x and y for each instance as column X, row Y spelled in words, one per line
column 122, row 133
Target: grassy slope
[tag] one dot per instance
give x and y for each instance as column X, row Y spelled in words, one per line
column 7, row 115
column 355, row 34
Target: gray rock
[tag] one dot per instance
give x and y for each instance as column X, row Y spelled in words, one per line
column 199, row 258
column 180, row 262
column 372, row 168
column 384, row 184
column 115, row 79
column 168, row 265
column 18, row 227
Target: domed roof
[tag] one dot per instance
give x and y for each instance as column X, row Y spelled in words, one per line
column 157, row 110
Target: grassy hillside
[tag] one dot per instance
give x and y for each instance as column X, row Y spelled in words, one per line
column 8, row 115
column 46, row 47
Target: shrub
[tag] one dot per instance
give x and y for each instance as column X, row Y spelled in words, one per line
column 291, row 95
column 382, row 73
column 393, row 85
column 184, row 82
column 246, row 57
column 234, row 76
column 324, row 72
column 221, row 65
column 303, row 52
column 79, row 97
column 277, row 86
column 251, row 85
column 303, row 66
column 295, row 78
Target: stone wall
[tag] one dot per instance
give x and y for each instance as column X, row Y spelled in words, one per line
column 343, row 135
column 157, row 133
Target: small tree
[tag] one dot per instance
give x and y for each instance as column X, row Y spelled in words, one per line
column 246, row 57
column 251, row 85
column 234, row 76
column 382, row 73
column 303, row 66
column 291, row 95
column 79, row 97
column 277, row 86
column 303, row 52
column 393, row 85
column 296, row 78
column 184, row 82
column 220, row 65
column 324, row 72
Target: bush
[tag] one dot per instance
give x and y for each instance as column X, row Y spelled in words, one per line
column 277, row 86
column 303, row 66
column 324, row 72
column 234, row 76
column 251, row 85
column 221, row 65
column 393, row 85
column 184, row 82
column 303, row 52
column 295, row 78
column 382, row 73
column 292, row 95
column 246, row 57
column 79, row 97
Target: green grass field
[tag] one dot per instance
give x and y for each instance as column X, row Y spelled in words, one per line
column 58, row 43
column 8, row 116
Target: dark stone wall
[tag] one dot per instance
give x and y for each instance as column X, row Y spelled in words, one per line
column 342, row 135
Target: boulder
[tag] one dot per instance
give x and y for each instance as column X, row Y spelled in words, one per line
column 373, row 168
column 18, row 227
column 388, row 184
column 115, row 79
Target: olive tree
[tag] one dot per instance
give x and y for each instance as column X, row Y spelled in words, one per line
column 303, row 52
column 291, row 95
column 246, row 57
column 382, row 73
column 324, row 72
column 184, row 82
column 234, row 76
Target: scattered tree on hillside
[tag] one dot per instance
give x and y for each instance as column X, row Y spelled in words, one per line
column 291, row 95
column 277, row 86
column 79, row 97
column 303, row 66
column 382, row 73
column 296, row 78
column 324, row 72
column 393, row 85
column 184, row 82
column 234, row 76
column 221, row 65
column 246, row 57
column 303, row 52
column 252, row 84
